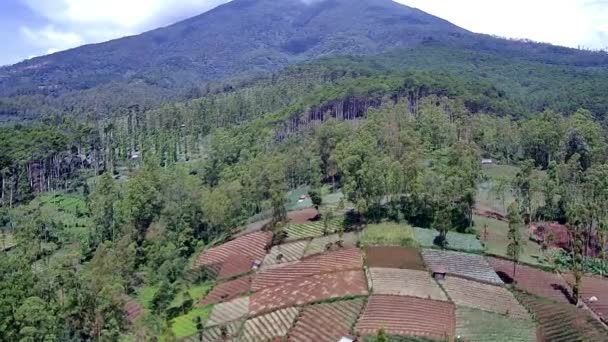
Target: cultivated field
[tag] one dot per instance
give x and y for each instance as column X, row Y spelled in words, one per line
column 345, row 259
column 270, row 326
column 287, row 252
column 319, row 245
column 235, row 265
column 592, row 286
column 481, row 326
column 326, row 322
column 310, row 229
column 456, row 241
column 184, row 326
column 485, row 297
column 392, row 281
column 532, row 280
column 219, row 333
column 229, row 311
column 388, row 234
column 407, row 316
column 228, row 291
column 470, row 266
column 394, row 257
column 559, row 322
column 308, row 290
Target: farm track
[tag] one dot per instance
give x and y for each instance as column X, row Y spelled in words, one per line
column 270, row 326
column 233, row 310
column 399, row 282
column 309, row 290
column 289, row 252
column 597, row 287
column 534, row 281
column 407, row 316
column 228, row 291
column 326, row 322
column 394, row 257
column 341, row 260
column 559, row 322
column 481, row 326
column 470, row 266
column 318, row 245
column 484, row 297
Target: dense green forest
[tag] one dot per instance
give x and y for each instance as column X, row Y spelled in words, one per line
column 100, row 209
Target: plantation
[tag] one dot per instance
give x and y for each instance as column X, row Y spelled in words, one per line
column 455, row 241
column 388, row 234
column 482, row 326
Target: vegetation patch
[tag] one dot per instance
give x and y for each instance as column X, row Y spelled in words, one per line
column 482, row 326
column 186, row 325
column 455, row 241
column 388, row 234
column 312, row 229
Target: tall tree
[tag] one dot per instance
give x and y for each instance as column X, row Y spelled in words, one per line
column 516, row 225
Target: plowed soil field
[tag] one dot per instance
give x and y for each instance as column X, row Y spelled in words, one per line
column 341, row 260
column 559, row 322
column 482, row 326
column 394, row 257
column 288, row 252
column 393, row 281
column 229, row 311
column 270, row 326
column 532, row 280
column 407, row 316
column 228, row 291
column 308, row 290
column 470, row 266
column 485, row 297
column 319, row 245
column 326, row 322
column 594, row 287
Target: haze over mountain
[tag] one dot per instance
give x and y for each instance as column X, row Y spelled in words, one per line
column 243, row 36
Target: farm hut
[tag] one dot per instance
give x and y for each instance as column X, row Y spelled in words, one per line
column 439, row 273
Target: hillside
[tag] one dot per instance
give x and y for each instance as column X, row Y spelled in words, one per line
column 241, row 37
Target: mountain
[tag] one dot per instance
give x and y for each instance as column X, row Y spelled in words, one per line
column 240, row 37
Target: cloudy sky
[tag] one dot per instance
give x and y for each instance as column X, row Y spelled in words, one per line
column 36, row 27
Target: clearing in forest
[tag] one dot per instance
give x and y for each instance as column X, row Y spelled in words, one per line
column 484, row 297
column 309, row 290
column 482, row 326
column 233, row 310
column 593, row 286
column 532, row 280
column 329, row 243
column 407, row 316
column 288, row 252
column 394, row 257
column 393, row 281
column 388, row 234
column 341, row 260
column 228, row 290
column 470, row 266
column 456, row 241
column 559, row 322
column 327, row 321
column 269, row 326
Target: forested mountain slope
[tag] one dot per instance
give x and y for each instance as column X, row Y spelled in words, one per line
column 242, row 37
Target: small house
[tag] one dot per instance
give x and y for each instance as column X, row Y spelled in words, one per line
column 439, row 273
column 487, row 161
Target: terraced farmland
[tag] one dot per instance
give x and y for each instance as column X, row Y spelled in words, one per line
column 457, row 241
column 345, row 259
column 559, row 322
column 287, row 252
column 319, row 245
column 247, row 247
column 597, row 287
column 485, row 297
column 228, row 290
column 235, row 265
column 388, row 234
column 407, row 316
column 326, row 322
column 308, row 290
column 532, row 280
column 219, row 333
column 310, row 229
column 394, row 257
column 469, row 266
column 270, row 326
column 481, row 326
column 229, row 311
column 392, row 281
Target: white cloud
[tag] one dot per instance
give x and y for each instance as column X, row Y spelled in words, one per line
column 51, row 38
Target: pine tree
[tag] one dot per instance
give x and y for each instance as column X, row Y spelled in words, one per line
column 516, row 224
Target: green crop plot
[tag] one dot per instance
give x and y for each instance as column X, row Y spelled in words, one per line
column 185, row 325
column 456, row 241
column 388, row 234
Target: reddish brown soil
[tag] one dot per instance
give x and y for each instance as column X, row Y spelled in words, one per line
column 532, row 280
column 326, row 322
column 302, row 216
column 341, row 260
column 488, row 212
column 408, row 316
column 594, row 287
column 132, row 309
column 308, row 290
column 394, row 257
column 228, row 290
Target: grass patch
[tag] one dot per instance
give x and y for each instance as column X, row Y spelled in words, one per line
column 196, row 292
column 496, row 240
column 499, row 171
column 184, row 326
column 456, row 241
column 145, row 295
column 388, row 234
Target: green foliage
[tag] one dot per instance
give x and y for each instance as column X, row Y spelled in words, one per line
column 388, row 234
column 563, row 260
column 456, row 241
column 186, row 325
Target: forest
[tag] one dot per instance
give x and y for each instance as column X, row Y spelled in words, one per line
column 97, row 210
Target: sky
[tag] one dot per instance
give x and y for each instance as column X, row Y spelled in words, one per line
column 31, row 28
